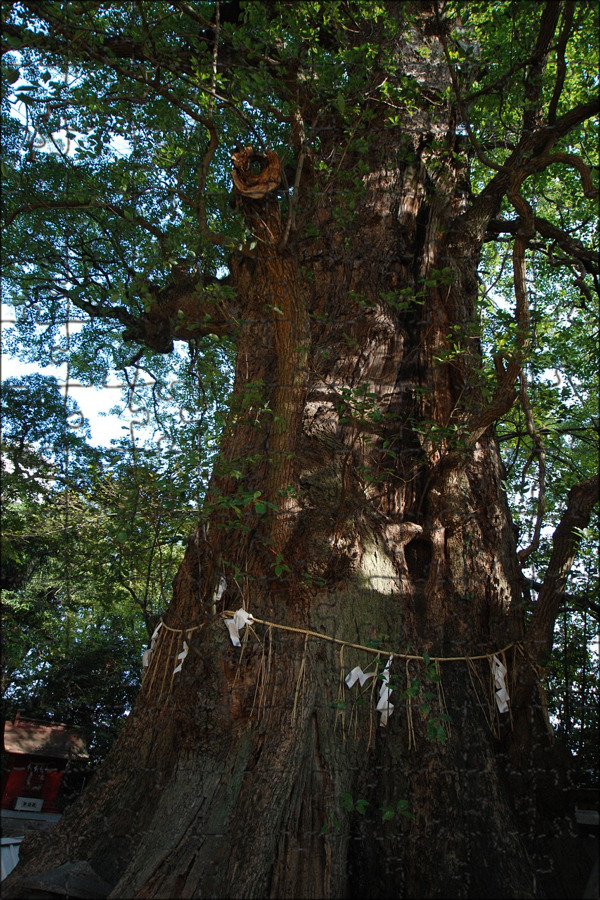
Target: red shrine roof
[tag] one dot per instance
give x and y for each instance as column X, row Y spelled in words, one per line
column 34, row 738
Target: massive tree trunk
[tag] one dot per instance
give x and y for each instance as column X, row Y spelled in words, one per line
column 357, row 503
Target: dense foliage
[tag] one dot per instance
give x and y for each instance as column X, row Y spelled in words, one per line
column 92, row 538
column 117, row 183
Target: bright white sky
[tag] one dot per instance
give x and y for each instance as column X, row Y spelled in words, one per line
column 93, row 402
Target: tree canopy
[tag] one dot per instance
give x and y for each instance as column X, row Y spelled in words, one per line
column 384, row 216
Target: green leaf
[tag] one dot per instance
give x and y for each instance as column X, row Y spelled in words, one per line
column 347, row 802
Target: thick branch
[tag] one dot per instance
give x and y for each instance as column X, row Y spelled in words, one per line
column 505, row 393
column 539, row 163
column 531, row 145
column 534, row 79
column 561, row 65
column 574, row 117
column 502, row 401
column 578, row 602
column 565, row 543
column 185, row 311
column 589, row 259
column 120, row 313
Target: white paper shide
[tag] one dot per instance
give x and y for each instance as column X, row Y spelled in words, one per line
column 499, row 673
column 384, row 707
column 241, row 618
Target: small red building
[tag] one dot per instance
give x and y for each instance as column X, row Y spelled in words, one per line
column 36, row 756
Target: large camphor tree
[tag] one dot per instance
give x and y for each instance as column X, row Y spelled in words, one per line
column 325, row 187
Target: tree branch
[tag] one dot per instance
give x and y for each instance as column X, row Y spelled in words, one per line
column 565, row 542
column 475, row 144
column 561, row 65
column 120, row 313
column 127, row 215
column 589, row 259
column 186, row 310
column 213, row 143
column 505, row 393
column 577, row 602
column 534, row 77
column 574, row 117
column 540, row 452
column 531, row 145
column 503, row 400
column 539, row 163
column 192, row 13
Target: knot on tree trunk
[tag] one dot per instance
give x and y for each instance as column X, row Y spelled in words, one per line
column 255, row 174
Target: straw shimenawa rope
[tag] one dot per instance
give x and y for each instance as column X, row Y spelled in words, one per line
column 376, row 650
column 162, row 630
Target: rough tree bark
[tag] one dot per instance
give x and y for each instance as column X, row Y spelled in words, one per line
column 358, row 495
